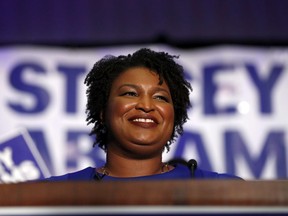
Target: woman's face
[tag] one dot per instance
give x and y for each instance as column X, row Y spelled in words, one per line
column 140, row 114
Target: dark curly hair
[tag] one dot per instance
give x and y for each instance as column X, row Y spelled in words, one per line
column 99, row 81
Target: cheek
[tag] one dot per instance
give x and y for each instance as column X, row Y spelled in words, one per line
column 171, row 113
column 167, row 113
column 117, row 108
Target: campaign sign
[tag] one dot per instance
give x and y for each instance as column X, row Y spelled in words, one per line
column 237, row 123
column 19, row 158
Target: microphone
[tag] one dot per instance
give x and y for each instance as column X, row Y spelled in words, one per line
column 191, row 164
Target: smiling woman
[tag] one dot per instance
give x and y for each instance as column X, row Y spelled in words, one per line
column 139, row 120
column 137, row 104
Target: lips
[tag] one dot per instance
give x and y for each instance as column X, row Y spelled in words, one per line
column 144, row 121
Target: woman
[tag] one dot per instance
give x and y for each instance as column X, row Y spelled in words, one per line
column 137, row 105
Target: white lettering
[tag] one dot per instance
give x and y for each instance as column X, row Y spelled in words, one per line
column 6, row 157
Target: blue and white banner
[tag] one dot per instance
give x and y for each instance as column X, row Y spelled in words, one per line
column 238, row 123
column 19, row 158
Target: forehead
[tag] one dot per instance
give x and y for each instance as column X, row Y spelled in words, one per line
column 139, row 76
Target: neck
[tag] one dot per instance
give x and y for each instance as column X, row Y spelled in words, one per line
column 121, row 166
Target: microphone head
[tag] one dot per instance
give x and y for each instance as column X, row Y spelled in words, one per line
column 192, row 164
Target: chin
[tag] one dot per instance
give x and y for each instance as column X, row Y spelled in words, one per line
column 144, row 146
column 146, row 141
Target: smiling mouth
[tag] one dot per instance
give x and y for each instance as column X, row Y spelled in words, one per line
column 143, row 120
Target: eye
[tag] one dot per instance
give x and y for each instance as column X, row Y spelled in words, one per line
column 129, row 93
column 161, row 98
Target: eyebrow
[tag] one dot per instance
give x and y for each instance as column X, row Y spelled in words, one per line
column 138, row 87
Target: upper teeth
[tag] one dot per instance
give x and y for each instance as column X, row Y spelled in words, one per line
column 143, row 120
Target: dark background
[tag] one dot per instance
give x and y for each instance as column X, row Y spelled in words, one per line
column 180, row 23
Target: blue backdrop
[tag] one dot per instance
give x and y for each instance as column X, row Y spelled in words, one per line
column 184, row 22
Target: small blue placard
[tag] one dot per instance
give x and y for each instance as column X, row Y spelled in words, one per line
column 20, row 160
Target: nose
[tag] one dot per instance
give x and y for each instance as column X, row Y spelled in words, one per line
column 145, row 104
